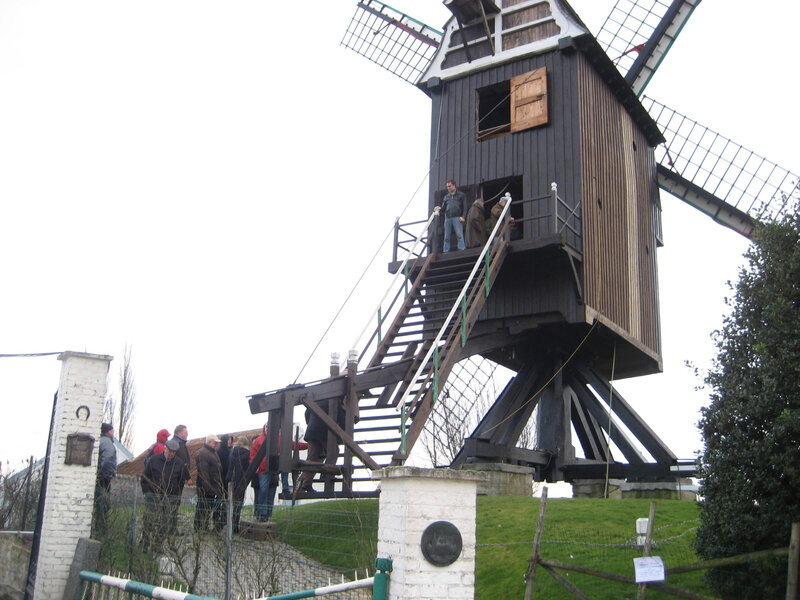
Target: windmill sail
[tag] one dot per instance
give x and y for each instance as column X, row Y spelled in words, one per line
column 398, row 43
column 637, row 35
column 723, row 179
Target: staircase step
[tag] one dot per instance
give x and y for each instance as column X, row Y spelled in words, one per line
column 377, row 428
column 381, row 441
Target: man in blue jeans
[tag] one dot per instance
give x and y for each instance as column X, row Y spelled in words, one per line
column 455, row 213
column 267, row 480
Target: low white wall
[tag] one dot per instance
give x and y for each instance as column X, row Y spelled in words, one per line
column 411, row 500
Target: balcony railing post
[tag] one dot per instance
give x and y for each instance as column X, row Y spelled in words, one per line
column 554, row 189
column 396, row 238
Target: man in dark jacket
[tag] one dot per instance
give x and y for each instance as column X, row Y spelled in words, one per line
column 455, row 208
column 162, row 483
column 181, row 434
column 238, row 461
column 209, row 484
column 225, row 445
column 106, row 471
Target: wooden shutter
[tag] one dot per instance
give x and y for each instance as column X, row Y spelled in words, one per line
column 529, row 100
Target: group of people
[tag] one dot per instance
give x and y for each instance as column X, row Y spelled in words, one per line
column 166, row 471
column 223, row 467
column 467, row 222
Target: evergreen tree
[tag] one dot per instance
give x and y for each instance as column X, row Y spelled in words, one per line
column 751, row 429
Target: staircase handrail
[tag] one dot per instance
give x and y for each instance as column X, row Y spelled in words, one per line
column 400, row 271
column 457, row 303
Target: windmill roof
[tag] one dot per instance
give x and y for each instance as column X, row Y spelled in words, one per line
column 529, row 27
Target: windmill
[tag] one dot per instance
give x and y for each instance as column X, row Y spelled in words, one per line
column 524, row 97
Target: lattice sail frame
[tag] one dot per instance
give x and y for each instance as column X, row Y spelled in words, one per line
column 391, row 39
column 628, row 27
column 738, row 177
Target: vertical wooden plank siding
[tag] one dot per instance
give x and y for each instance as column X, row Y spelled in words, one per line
column 539, row 156
column 619, row 243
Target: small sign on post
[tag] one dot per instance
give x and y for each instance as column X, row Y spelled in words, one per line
column 648, row 569
column 80, row 447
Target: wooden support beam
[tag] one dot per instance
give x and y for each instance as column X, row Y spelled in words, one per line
column 347, row 440
column 334, row 387
column 657, row 448
column 486, row 450
column 590, row 402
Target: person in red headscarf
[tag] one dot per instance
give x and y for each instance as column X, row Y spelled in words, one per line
column 158, row 448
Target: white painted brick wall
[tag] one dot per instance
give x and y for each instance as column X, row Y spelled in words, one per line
column 411, row 499
column 70, row 488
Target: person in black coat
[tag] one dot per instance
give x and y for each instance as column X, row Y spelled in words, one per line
column 238, row 462
column 209, row 485
column 162, row 484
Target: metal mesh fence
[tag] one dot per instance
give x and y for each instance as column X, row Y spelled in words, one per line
column 587, row 534
column 161, row 541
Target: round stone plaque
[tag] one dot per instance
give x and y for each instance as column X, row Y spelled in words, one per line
column 441, row 543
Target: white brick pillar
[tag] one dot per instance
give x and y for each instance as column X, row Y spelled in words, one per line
column 69, row 499
column 411, row 501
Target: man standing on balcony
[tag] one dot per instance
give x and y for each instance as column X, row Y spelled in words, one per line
column 455, row 214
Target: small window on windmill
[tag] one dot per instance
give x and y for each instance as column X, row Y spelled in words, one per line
column 494, row 111
column 512, row 106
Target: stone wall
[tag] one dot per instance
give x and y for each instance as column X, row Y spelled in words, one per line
column 15, row 551
column 503, row 480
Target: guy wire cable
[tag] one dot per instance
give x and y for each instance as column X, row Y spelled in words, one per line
column 391, row 230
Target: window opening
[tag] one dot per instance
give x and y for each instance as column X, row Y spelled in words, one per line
column 494, row 111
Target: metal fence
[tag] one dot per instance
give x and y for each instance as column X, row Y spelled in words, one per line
column 165, row 542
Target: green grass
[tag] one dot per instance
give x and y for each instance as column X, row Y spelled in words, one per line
column 340, row 534
column 586, row 532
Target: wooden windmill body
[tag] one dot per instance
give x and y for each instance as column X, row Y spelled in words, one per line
column 545, row 110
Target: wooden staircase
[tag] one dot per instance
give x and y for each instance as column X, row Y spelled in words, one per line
column 387, row 404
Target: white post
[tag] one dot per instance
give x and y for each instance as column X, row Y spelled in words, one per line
column 69, row 500
column 426, row 526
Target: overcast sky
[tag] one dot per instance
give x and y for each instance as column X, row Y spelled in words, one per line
column 205, row 181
